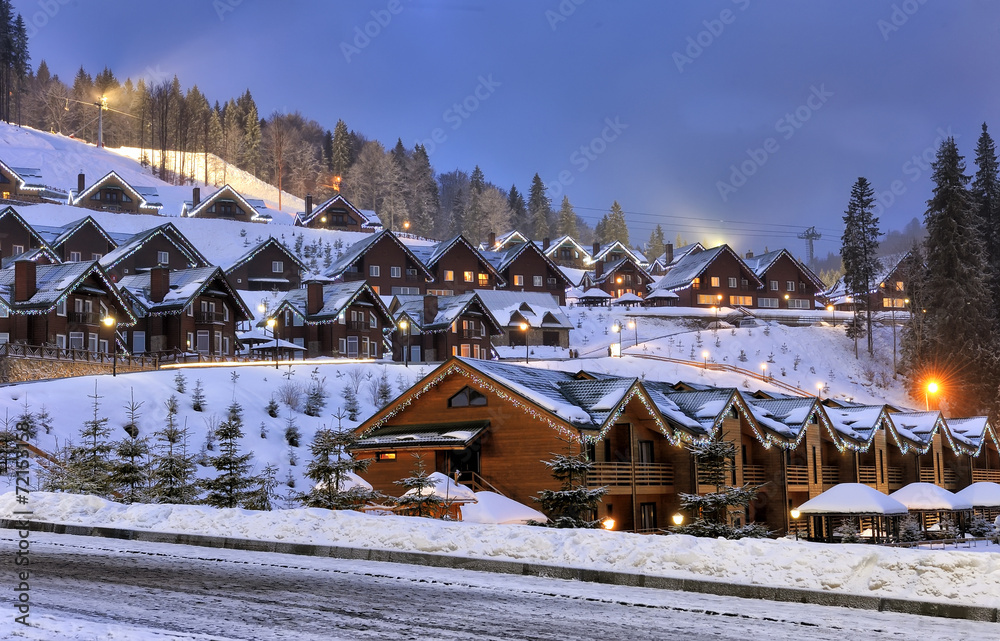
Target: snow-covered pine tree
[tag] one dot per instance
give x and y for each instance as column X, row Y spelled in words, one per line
column 859, row 247
column 229, row 488
column 198, row 397
column 329, row 470
column 27, row 422
column 91, row 461
column 959, row 338
column 263, row 494
column 383, row 390
column 986, row 193
column 272, row 408
column 574, row 504
column 712, row 514
column 657, row 244
column 292, row 433
column 351, row 405
column 423, row 502
column 172, row 469
column 910, row 530
column 315, row 394
column 180, row 382
column 131, row 471
column 44, row 419
column 539, row 208
column 519, row 218
column 566, row 219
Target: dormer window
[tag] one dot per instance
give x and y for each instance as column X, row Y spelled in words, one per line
column 467, row 397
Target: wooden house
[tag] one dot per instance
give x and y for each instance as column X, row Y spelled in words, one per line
column 225, row 203
column 27, row 185
column 64, row 306
column 432, row 328
column 546, row 322
column 614, row 252
column 346, row 319
column 385, row 262
column 456, row 267
column 114, row 193
column 81, row 240
column 660, row 265
column 524, row 267
column 711, row 278
column 269, row 265
column 338, row 214
column 889, row 294
column 787, row 283
column 565, row 251
column 623, row 276
column 16, row 235
column 185, row 311
column 164, row 245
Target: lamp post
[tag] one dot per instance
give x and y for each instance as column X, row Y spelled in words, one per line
column 272, row 325
column 931, row 388
column 704, row 356
column 787, row 302
column 524, row 328
column 678, row 519
column 405, row 327
column 819, row 390
column 634, row 325
column 795, row 517
column 109, row 321
column 617, row 328
column 763, row 368
column 833, row 316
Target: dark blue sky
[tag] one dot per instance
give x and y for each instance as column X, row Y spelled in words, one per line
column 800, row 98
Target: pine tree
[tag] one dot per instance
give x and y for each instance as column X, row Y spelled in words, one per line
column 423, row 501
column 315, row 394
column 341, row 158
column 424, row 201
column 539, row 209
column 198, row 397
column 329, row 469
column 519, row 211
column 292, row 433
column 250, row 158
column 27, row 422
column 474, row 216
column 574, row 504
column 229, row 488
column 657, row 244
column 91, row 462
column 959, row 336
column 713, row 512
column 613, row 227
column 44, row 419
column 913, row 341
column 566, row 225
column 180, row 382
column 986, row 193
column 263, row 494
column 131, row 472
column 172, row 468
column 383, row 391
column 859, row 255
column 351, row 405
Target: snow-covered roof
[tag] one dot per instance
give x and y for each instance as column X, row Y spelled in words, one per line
column 627, row 298
column 981, row 494
column 761, row 263
column 367, row 217
column 787, row 417
column 141, row 195
column 430, row 255
column 185, row 286
column 691, row 266
column 444, row 488
column 491, row 507
column 31, row 179
column 56, row 236
column 136, row 242
column 360, row 248
column 190, row 210
column 440, row 435
column 449, row 310
column 54, row 282
column 852, row 498
column 10, row 212
column 857, row 422
column 929, row 497
column 503, row 259
column 620, row 246
column 538, row 309
column 888, row 264
column 595, row 292
column 573, row 275
column 261, row 246
column 611, row 269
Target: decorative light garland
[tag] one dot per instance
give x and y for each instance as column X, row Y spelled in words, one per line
column 261, row 247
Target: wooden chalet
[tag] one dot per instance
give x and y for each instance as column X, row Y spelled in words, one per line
column 614, row 252
column 62, row 306
column 16, row 235
column 346, row 319
column 547, row 324
column 788, row 284
column 524, row 267
column 269, row 265
column 505, row 241
column 670, row 256
column 338, row 214
column 81, row 240
column 26, row 185
column 385, row 262
column 889, row 295
column 711, row 278
column 185, row 311
column 114, row 193
column 623, row 276
column 164, row 245
column 457, row 267
column 432, row 328
column 566, row 252
column 225, row 203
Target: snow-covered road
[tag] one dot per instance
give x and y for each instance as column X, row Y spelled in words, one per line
column 82, row 588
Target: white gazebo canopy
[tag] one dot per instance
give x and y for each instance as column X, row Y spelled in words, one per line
column 497, row 508
column 981, row 494
column 927, row 497
column 445, row 489
column 852, row 498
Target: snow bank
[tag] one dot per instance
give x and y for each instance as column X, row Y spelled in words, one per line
column 966, row 577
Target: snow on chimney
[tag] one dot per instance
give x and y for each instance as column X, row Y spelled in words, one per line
column 81, row 183
column 25, row 283
column 159, row 282
column 195, row 197
column 314, row 297
column 749, row 254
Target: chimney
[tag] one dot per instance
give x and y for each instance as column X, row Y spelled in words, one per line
column 669, row 251
column 195, row 197
column 25, row 283
column 81, row 183
column 545, row 244
column 598, row 270
column 493, row 240
column 750, row 254
column 597, row 249
column 430, row 307
column 309, row 204
column 314, row 297
column 159, row 282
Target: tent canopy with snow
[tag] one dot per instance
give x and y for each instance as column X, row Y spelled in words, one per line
column 873, row 509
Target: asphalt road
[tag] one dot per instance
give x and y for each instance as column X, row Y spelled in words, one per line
column 182, row 592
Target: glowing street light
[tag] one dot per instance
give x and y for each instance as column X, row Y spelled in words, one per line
column 932, row 388
column 617, row 328
column 678, row 519
column 704, row 356
column 271, row 325
column 109, row 321
column 819, row 389
column 763, row 369
column 524, row 328
column 634, row 325
column 608, row 523
column 795, row 514
column 404, row 327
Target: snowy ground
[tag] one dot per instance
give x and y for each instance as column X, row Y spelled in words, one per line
column 970, row 577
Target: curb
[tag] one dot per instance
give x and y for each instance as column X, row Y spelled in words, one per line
column 609, row 577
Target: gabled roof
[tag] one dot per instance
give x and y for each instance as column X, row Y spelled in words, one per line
column 430, row 256
column 54, row 282
column 914, row 430
column 606, row 249
column 367, row 217
column 261, row 246
column 168, row 231
column 336, row 298
column 11, row 212
column 185, row 286
column 511, row 236
column 562, row 240
column 191, row 211
column 141, row 196
column 450, row 309
column 56, row 236
column 888, row 264
column 856, row 423
column 539, row 309
column 30, row 179
column 360, row 248
column 760, row 264
column 34, row 255
column 610, row 270
column 502, row 260
column 786, row 417
column 692, row 265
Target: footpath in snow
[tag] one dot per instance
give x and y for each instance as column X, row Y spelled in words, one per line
column 962, row 577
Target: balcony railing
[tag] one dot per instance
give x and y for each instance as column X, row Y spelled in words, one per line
column 895, row 477
column 797, row 475
column 831, row 475
column 353, row 275
column 867, row 475
column 950, row 479
column 754, row 474
column 85, row 318
column 358, row 325
column 412, row 277
column 990, row 476
column 620, row 474
column 471, row 333
column 209, row 317
column 927, row 475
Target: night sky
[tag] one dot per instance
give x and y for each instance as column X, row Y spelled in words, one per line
column 733, row 121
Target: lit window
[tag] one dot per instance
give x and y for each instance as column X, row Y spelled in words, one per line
column 469, row 276
column 449, row 275
column 706, row 299
column 484, row 280
column 746, row 301
column 386, row 456
column 518, row 280
column 715, row 281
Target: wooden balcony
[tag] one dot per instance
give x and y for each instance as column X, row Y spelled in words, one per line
column 797, row 475
column 950, row 479
column 85, row 318
column 618, row 476
column 867, row 475
column 754, row 474
column 927, row 475
column 986, row 476
column 831, row 475
column 895, row 478
column 209, row 318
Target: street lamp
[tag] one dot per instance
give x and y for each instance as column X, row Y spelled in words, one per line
column 931, row 388
column 787, row 303
column 404, row 327
column 833, row 317
column 524, row 328
column 272, row 325
column 109, row 321
column 677, row 518
column 795, row 517
column 704, row 355
column 617, row 328
column 819, row 389
column 763, row 368
column 633, row 325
